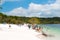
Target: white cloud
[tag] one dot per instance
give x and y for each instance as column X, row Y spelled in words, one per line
column 19, row 12
column 38, row 10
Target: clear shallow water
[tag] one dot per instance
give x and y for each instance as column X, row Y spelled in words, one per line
column 52, row 29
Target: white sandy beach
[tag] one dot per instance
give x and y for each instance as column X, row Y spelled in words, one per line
column 18, row 33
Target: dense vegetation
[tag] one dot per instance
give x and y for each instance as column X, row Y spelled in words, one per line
column 19, row 20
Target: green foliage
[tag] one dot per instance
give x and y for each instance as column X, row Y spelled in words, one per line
column 33, row 20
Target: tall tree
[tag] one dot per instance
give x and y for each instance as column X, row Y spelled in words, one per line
column 34, row 21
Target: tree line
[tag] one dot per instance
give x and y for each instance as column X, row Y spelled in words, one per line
column 32, row 20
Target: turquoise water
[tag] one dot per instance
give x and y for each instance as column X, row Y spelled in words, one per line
column 52, row 29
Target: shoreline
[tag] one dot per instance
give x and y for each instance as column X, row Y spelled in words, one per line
column 17, row 33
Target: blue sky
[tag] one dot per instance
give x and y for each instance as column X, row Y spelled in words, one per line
column 15, row 7
column 9, row 5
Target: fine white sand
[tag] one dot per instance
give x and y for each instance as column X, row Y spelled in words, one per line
column 18, row 33
column 22, row 32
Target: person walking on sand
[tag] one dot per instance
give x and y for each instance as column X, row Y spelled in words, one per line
column 9, row 26
column 34, row 26
column 29, row 26
column 38, row 29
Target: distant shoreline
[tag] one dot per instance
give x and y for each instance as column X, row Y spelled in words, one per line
column 31, row 20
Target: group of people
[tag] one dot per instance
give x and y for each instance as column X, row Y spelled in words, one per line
column 35, row 27
column 39, row 29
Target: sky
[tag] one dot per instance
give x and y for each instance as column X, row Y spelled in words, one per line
column 31, row 8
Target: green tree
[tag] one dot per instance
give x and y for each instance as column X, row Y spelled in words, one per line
column 34, row 21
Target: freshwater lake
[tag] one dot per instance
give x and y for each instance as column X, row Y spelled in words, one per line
column 53, row 29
